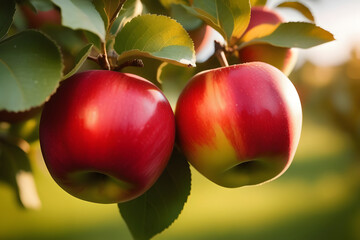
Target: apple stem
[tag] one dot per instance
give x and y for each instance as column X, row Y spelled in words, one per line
column 220, row 54
column 94, row 59
column 104, row 61
column 100, row 60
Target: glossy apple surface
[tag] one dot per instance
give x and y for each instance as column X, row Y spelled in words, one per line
column 201, row 37
column 282, row 58
column 38, row 19
column 106, row 136
column 239, row 125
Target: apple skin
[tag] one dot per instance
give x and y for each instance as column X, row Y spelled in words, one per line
column 282, row 58
column 38, row 19
column 201, row 37
column 239, row 125
column 106, row 136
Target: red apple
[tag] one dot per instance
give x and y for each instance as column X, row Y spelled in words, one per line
column 38, row 19
column 239, row 125
column 201, row 37
column 106, row 136
column 282, row 58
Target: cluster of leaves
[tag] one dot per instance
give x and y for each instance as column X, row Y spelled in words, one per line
column 113, row 33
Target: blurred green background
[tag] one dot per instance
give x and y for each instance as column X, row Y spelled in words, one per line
column 317, row 198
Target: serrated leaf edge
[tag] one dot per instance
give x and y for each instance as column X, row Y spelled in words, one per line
column 61, row 59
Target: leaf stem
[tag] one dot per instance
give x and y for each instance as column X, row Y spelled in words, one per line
column 114, row 16
column 220, row 54
column 131, row 63
column 102, row 59
column 94, row 59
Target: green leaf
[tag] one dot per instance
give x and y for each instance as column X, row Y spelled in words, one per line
column 296, row 35
column 229, row 17
column 80, row 59
column 30, row 70
column 304, row 10
column 68, row 39
column 258, row 2
column 81, row 14
column 130, row 9
column 186, row 19
column 100, row 7
column 160, row 206
column 7, row 11
column 155, row 36
column 154, row 6
column 71, row 43
column 16, row 171
column 93, row 39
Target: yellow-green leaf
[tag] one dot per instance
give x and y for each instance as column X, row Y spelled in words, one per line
column 297, row 35
column 168, row 3
column 229, row 17
column 259, row 31
column 304, row 10
column 129, row 10
column 258, row 2
column 155, row 36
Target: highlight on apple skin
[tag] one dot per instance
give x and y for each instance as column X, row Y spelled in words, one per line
column 282, row 58
column 239, row 125
column 106, row 136
column 201, row 37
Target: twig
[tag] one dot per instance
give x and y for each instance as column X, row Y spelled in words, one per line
column 94, row 59
column 113, row 17
column 130, row 63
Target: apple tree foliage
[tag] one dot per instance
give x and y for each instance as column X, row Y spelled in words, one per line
column 122, row 35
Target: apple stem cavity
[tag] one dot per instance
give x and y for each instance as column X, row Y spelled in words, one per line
column 220, row 54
